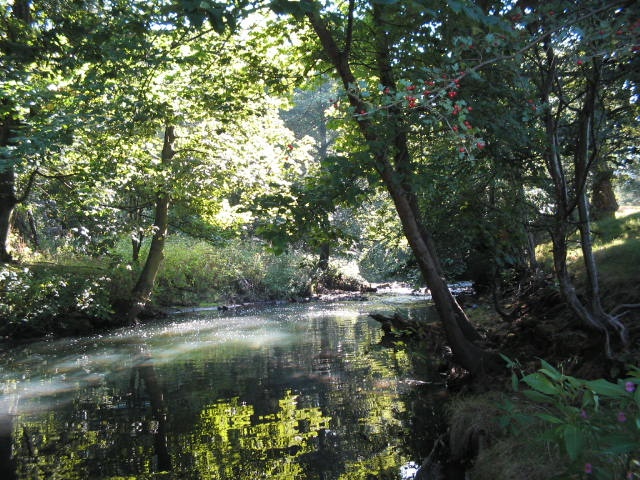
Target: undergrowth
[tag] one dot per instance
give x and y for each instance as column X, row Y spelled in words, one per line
column 70, row 293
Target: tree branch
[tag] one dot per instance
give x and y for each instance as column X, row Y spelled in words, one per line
column 540, row 39
column 349, row 36
column 27, row 189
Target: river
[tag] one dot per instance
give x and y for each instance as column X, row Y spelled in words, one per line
column 299, row 391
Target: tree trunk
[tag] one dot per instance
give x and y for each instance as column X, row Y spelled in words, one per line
column 585, row 151
column 603, row 198
column 34, row 229
column 593, row 314
column 397, row 179
column 136, row 244
column 8, row 199
column 144, row 287
column 323, row 258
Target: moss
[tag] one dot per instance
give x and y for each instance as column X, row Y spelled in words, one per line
column 516, row 458
column 477, row 437
column 473, row 424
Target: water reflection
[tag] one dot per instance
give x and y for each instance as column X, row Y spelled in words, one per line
column 295, row 392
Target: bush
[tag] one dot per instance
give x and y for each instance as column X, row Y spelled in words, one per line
column 595, row 423
column 195, row 271
column 37, row 302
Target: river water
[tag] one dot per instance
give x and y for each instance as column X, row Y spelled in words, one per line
column 301, row 391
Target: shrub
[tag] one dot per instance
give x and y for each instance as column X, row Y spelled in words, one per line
column 595, row 423
column 37, row 302
column 195, row 271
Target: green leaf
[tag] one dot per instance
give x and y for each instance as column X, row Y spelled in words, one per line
column 540, row 383
column 537, row 396
column 606, row 388
column 549, row 418
column 573, row 441
column 621, row 448
column 549, row 370
column 588, row 400
column 510, row 363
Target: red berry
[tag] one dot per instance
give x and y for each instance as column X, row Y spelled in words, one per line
column 453, row 94
column 480, row 145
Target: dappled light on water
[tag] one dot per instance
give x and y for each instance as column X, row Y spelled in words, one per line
column 289, row 392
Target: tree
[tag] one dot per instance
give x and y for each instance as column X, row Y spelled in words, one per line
column 571, row 79
column 315, row 203
column 18, row 52
column 384, row 133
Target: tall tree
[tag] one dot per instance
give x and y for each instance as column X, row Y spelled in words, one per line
column 17, row 54
column 384, row 134
column 571, row 79
column 144, row 286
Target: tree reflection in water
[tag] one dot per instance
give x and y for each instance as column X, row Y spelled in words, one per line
column 311, row 395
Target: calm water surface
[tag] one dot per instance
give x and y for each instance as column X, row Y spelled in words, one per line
column 290, row 392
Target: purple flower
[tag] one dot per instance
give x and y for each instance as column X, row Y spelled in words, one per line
column 584, row 414
column 622, row 417
column 630, row 387
column 588, row 468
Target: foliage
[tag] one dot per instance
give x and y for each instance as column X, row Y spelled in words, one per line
column 291, row 429
column 596, row 423
column 617, row 250
column 73, row 294
column 195, row 271
column 36, row 302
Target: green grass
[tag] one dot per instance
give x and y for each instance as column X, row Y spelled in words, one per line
column 70, row 293
column 616, row 245
column 195, row 272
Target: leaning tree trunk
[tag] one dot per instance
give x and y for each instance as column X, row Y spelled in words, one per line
column 396, row 178
column 585, row 151
column 144, row 287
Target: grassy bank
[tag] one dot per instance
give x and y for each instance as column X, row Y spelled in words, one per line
column 69, row 294
column 577, row 416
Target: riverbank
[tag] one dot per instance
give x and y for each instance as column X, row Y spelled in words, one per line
column 561, row 406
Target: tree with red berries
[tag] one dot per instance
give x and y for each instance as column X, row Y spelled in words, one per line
column 383, row 119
